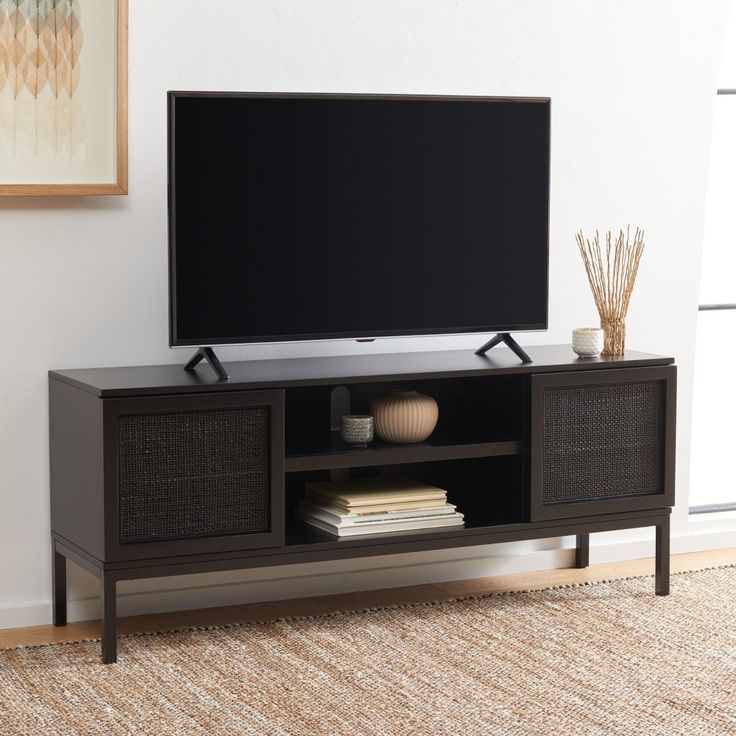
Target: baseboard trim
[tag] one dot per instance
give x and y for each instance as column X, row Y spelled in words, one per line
column 346, row 576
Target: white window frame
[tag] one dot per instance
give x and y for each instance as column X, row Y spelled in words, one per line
column 716, row 508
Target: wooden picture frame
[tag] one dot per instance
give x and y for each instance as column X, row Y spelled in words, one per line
column 60, row 33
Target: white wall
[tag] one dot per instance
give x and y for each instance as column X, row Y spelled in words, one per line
column 83, row 281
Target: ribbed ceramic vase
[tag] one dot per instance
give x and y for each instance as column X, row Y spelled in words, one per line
column 405, row 416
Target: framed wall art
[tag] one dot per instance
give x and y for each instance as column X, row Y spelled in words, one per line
column 63, row 97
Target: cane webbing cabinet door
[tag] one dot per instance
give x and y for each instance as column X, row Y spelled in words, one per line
column 191, row 474
column 601, row 442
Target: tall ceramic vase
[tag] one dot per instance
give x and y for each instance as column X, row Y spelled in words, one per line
column 405, row 416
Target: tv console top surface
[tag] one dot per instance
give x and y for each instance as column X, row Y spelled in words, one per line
column 263, row 374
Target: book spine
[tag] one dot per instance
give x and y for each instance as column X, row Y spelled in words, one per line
column 375, row 506
column 402, row 527
column 334, row 517
column 454, row 519
column 388, row 498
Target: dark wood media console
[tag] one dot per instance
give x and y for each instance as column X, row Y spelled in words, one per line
column 156, row 471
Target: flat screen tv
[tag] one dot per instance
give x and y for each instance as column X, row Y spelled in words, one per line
column 304, row 217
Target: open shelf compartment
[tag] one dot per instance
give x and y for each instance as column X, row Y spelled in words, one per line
column 477, row 418
column 487, row 490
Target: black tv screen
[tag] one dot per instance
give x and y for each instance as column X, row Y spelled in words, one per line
column 300, row 217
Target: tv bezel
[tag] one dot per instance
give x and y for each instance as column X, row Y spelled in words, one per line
column 175, row 341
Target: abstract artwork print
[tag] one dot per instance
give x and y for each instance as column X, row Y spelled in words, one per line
column 63, row 97
column 40, row 69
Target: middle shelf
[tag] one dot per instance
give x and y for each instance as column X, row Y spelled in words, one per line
column 336, row 454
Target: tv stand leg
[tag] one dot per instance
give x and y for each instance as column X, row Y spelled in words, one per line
column 662, row 568
column 58, row 574
column 582, row 550
column 109, row 618
column 506, row 339
column 207, row 354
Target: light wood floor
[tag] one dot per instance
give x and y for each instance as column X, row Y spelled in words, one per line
column 355, row 601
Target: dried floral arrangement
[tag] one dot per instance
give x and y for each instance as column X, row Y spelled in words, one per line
column 611, row 272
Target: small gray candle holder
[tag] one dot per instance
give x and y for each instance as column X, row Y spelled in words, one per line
column 357, row 429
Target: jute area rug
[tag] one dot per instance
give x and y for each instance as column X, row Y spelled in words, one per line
column 607, row 658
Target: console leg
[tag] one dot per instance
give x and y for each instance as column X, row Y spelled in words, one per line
column 109, row 623
column 662, row 576
column 582, row 550
column 58, row 576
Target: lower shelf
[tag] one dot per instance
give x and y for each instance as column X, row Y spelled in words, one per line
column 486, row 490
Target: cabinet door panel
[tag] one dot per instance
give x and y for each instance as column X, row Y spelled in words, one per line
column 190, row 474
column 601, row 442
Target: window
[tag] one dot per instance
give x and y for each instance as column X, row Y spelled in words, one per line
column 713, row 482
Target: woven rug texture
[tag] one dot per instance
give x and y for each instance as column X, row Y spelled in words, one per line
column 600, row 659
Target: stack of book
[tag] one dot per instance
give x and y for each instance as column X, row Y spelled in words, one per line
column 376, row 506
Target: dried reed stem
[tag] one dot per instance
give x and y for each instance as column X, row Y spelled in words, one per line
column 611, row 272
